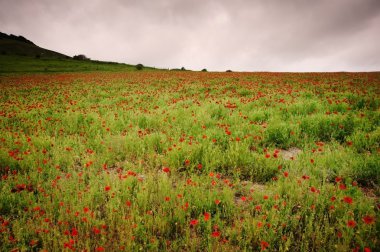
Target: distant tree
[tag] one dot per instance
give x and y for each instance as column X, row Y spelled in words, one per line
column 183, row 69
column 80, row 57
column 228, row 71
column 204, row 70
column 139, row 66
column 38, row 56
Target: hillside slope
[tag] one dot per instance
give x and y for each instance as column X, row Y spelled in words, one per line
column 20, row 55
column 20, row 46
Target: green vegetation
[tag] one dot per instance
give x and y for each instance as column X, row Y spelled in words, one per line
column 189, row 161
column 10, row 64
column 19, row 55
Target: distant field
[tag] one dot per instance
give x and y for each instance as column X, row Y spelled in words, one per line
column 187, row 161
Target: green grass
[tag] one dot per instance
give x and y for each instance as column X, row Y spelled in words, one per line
column 11, row 64
column 135, row 160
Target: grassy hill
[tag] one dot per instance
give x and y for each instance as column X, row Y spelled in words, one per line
column 27, row 64
column 19, row 55
column 20, row 46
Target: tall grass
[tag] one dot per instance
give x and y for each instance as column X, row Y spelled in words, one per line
column 182, row 161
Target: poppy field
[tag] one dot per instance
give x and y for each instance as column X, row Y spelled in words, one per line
column 190, row 161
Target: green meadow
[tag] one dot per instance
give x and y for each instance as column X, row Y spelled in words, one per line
column 116, row 159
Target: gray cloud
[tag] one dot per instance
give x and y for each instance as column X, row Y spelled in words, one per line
column 245, row 35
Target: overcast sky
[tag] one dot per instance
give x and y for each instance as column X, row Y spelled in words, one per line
column 241, row 35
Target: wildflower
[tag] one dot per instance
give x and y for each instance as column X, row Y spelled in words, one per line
column 107, row 188
column 286, row 174
column 185, row 206
column 206, row 216
column 348, row 200
column 74, row 232
column 217, row 201
column 264, row 245
column 33, row 243
column 166, row 169
column 96, row 230
column 368, row 219
column 193, row 222
column 342, row 187
column 305, row 177
column 199, row 166
column 351, row 223
column 215, row 234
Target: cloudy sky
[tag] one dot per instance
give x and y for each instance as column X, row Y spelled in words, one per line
column 241, row 35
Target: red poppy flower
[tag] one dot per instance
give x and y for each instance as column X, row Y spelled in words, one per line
column 368, row 219
column 74, row 232
column 206, row 216
column 96, row 230
column 264, row 245
column 193, row 222
column 107, row 188
column 215, row 234
column 348, row 200
column 342, row 187
column 166, row 169
column 351, row 223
